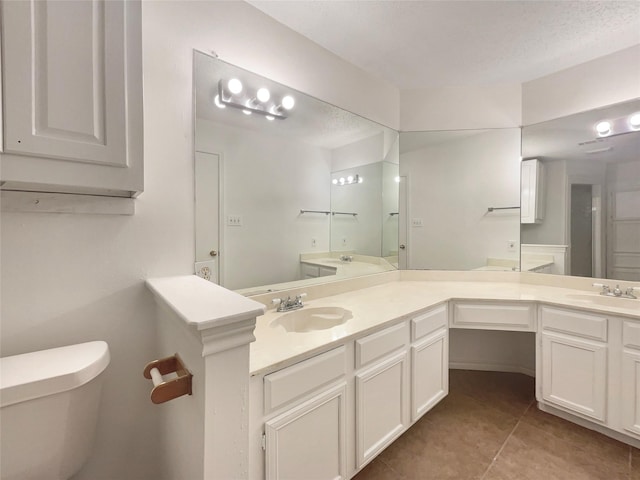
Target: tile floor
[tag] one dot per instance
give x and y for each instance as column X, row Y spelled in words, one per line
column 488, row 428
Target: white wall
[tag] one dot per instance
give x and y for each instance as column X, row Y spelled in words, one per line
column 604, row 81
column 458, row 108
column 267, row 181
column 451, row 184
column 74, row 278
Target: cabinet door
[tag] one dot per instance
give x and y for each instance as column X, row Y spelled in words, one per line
column 72, row 94
column 429, row 373
column 631, row 391
column 309, row 441
column 574, row 374
column 380, row 405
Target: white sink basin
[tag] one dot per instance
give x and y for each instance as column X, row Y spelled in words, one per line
column 312, row 319
column 605, row 301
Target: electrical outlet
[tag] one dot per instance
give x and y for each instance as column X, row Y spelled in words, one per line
column 344, row 241
column 416, row 222
column 511, row 245
column 313, row 243
column 234, row 220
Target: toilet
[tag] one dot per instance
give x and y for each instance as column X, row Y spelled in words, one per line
column 49, row 409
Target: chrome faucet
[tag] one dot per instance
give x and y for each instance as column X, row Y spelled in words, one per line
column 288, row 304
column 346, row 258
column 617, row 291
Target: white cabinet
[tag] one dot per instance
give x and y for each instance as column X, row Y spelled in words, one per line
column 309, row 441
column 429, row 361
column 630, row 377
column 308, row 438
column 382, row 390
column 574, row 361
column 72, row 97
column 492, row 315
column 381, row 396
column 532, row 200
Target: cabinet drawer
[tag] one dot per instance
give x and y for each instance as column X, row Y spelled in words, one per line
column 631, row 334
column 576, row 323
column 494, row 316
column 428, row 322
column 379, row 344
column 293, row 382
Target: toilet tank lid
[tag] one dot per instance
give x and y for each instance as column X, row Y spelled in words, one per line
column 46, row 372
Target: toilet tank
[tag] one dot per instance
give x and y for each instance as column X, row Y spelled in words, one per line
column 49, row 404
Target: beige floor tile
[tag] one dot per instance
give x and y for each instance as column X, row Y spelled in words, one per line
column 531, row 453
column 378, row 470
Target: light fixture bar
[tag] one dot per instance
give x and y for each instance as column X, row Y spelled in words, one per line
column 246, row 103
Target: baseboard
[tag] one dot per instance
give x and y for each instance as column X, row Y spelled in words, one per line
column 621, row 437
column 492, row 367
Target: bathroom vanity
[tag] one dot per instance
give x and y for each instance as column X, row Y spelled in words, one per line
column 330, row 399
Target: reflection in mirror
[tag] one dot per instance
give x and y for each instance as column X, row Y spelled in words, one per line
column 275, row 166
column 589, row 184
column 463, row 212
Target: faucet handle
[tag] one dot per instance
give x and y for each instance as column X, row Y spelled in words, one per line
column 630, row 291
column 605, row 288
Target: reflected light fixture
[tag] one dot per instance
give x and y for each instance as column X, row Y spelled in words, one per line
column 603, row 128
column 350, row 180
column 619, row 125
column 232, row 93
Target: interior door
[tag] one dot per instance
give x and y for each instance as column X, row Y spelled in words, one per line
column 207, row 212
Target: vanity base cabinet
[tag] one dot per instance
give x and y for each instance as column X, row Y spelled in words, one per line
column 309, row 441
column 429, row 373
column 574, row 361
column 381, row 396
column 575, row 374
column 429, row 360
column 631, row 391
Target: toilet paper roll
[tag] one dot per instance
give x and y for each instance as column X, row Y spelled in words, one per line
column 156, row 377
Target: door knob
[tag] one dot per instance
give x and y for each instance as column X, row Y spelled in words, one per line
column 402, row 247
column 213, row 253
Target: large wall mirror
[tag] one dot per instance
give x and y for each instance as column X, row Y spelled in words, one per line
column 288, row 188
column 463, row 199
column 581, row 185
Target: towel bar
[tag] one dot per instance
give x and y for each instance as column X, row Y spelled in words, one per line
column 163, row 391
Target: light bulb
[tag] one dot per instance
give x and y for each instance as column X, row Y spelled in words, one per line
column 360, row 179
column 341, row 181
column 263, row 95
column 271, row 118
column 235, row 86
column 350, row 179
column 397, row 179
column 246, row 112
column 334, row 181
column 634, row 121
column 603, row 128
column 288, row 102
column 216, row 100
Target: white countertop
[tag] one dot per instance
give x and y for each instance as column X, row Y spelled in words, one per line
column 407, row 293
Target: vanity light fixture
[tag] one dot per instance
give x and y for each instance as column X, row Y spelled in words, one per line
column 618, row 126
column 232, row 93
column 216, row 100
column 603, row 128
column 350, row 180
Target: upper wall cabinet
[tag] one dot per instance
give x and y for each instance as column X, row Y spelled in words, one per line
column 532, row 192
column 72, row 97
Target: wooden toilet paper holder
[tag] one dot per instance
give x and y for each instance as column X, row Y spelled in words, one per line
column 165, row 390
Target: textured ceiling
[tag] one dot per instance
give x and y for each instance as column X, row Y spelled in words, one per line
column 414, row 44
